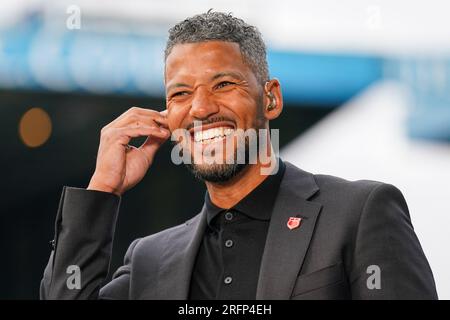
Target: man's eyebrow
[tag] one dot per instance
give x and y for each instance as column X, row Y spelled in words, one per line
column 177, row 85
column 227, row 74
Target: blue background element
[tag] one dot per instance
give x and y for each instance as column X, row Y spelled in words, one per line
column 35, row 58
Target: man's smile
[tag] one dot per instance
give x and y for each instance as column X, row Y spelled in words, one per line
column 211, row 132
column 212, row 135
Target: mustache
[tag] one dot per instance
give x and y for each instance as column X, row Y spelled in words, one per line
column 209, row 121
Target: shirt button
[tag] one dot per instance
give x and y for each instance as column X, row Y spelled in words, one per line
column 229, row 243
column 228, row 280
column 229, row 216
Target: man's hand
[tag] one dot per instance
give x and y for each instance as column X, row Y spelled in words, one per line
column 120, row 166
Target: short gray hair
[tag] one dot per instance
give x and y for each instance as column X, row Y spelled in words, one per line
column 219, row 26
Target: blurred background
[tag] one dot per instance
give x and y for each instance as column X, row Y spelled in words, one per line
column 367, row 96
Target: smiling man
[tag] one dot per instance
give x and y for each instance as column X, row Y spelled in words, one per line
column 267, row 230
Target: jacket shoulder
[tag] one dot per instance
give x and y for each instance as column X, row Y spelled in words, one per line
column 326, row 186
column 347, row 202
column 357, row 190
column 334, row 183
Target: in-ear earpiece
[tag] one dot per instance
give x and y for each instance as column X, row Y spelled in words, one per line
column 272, row 103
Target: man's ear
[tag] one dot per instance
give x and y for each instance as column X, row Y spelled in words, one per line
column 273, row 99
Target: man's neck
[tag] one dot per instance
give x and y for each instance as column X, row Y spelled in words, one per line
column 226, row 195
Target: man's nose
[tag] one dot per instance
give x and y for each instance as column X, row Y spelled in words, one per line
column 203, row 105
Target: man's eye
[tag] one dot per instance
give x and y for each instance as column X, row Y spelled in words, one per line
column 223, row 84
column 181, row 93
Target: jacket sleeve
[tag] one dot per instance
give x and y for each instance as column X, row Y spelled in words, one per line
column 388, row 261
column 82, row 247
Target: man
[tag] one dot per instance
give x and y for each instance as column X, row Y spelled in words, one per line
column 282, row 234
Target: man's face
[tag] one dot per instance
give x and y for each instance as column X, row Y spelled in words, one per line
column 209, row 83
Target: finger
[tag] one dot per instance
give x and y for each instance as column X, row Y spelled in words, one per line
column 134, row 112
column 125, row 134
column 152, row 144
column 162, row 123
column 136, row 120
column 157, row 115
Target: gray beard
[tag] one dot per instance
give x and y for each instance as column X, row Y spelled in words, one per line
column 216, row 173
column 220, row 173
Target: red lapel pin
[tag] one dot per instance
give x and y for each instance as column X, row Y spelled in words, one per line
column 294, row 222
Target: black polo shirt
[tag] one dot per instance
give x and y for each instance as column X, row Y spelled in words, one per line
column 229, row 258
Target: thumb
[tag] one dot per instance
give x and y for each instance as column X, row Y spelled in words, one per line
column 151, row 145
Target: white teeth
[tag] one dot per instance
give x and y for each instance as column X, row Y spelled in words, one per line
column 212, row 134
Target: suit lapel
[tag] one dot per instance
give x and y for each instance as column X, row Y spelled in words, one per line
column 285, row 249
column 177, row 261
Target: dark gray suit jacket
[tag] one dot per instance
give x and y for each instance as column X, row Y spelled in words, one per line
column 347, row 228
